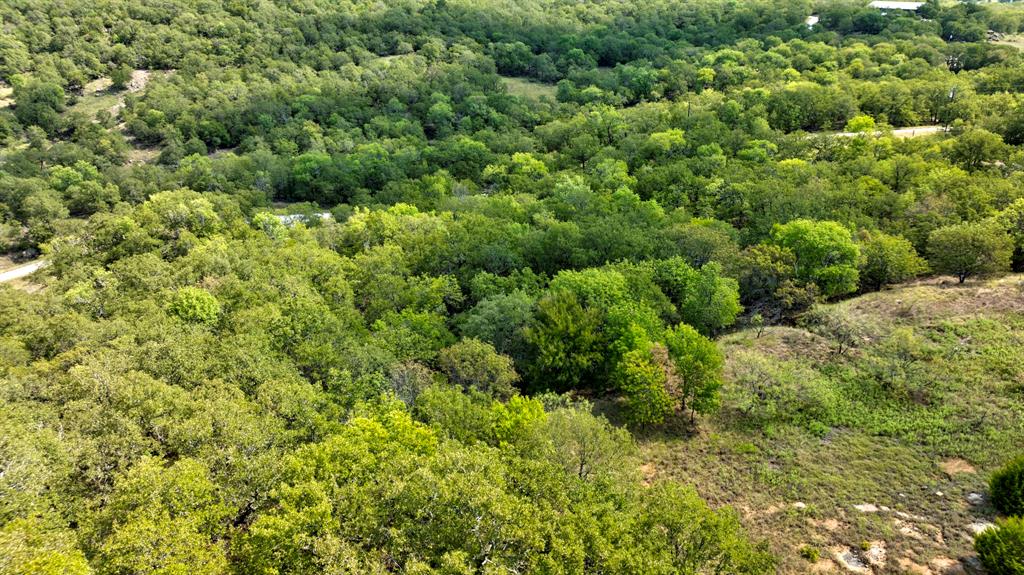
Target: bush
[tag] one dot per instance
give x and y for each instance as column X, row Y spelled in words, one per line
column 809, row 553
column 1007, row 488
column 1001, row 549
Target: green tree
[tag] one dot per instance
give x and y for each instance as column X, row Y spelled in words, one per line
column 195, row 305
column 566, row 340
column 472, row 363
column 1001, row 549
column 970, row 249
column 1007, row 487
column 31, row 546
column 644, row 383
column 887, row 260
column 39, row 103
column 976, row 147
column 698, row 365
column 824, row 254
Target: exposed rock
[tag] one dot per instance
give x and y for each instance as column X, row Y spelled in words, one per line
column 979, row 527
column 947, row 566
column 800, row 505
column 875, row 554
column 849, row 560
column 908, row 530
column 975, row 498
column 866, row 508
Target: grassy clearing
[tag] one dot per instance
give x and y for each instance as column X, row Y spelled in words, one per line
column 905, row 400
column 91, row 103
column 529, row 89
column 1015, row 40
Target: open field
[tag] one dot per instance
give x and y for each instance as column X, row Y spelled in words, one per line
column 528, row 88
column 895, row 466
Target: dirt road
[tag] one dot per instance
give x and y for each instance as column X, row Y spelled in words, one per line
column 21, row 271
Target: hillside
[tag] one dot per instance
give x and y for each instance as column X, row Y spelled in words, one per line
column 882, row 450
column 511, row 287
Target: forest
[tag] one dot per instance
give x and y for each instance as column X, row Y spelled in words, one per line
column 296, row 287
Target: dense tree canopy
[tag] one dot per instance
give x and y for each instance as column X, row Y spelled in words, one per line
column 335, row 287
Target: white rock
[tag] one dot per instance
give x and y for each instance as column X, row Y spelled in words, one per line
column 979, row 527
column 850, row 561
column 866, row 508
column 876, row 554
column 975, row 498
column 799, row 505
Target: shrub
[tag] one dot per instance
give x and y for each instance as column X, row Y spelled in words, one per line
column 1007, row 488
column 1001, row 549
column 809, row 553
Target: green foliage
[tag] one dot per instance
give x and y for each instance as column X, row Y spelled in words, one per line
column 1001, row 549
column 475, row 364
column 643, row 382
column 31, row 546
column 202, row 386
column 824, row 254
column 887, row 260
column 970, row 249
column 566, row 339
column 698, row 365
column 1006, row 488
column 195, row 305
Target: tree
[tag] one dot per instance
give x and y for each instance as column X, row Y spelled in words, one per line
column 825, row 254
column 472, row 363
column 39, row 103
column 643, row 382
column 1007, row 488
column 976, row 147
column 33, row 546
column 698, row 364
column 566, row 341
column 970, row 249
column 769, row 286
column 887, row 260
column 1001, row 549
column 120, row 76
column 586, row 446
column 195, row 305
column 860, row 124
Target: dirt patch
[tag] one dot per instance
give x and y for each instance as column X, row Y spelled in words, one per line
column 648, row 472
column 142, row 155
column 831, row 525
column 824, row 566
column 137, row 83
column 5, row 95
column 956, row 466
column 947, row 566
column 909, row 566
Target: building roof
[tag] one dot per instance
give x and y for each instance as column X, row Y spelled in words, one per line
column 887, row 5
